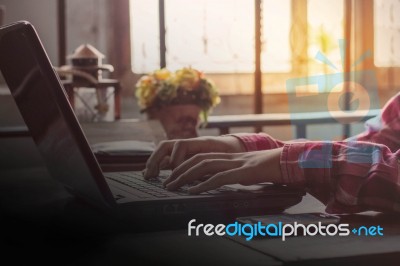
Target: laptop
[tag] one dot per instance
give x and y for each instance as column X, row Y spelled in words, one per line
column 44, row 106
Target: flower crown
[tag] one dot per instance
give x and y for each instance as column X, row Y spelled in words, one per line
column 185, row 86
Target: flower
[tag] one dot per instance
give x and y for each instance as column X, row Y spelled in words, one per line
column 187, row 78
column 184, row 86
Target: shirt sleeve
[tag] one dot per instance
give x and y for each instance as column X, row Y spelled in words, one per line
column 385, row 128
column 346, row 176
column 257, row 142
column 361, row 173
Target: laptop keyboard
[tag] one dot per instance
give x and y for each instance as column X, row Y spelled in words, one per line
column 150, row 188
column 146, row 188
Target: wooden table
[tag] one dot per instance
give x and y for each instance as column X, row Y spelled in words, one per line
column 224, row 122
column 42, row 221
column 299, row 120
column 45, row 223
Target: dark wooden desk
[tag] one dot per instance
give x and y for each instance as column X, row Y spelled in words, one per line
column 42, row 222
column 17, row 147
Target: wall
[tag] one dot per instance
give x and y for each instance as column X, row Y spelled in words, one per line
column 42, row 14
column 86, row 22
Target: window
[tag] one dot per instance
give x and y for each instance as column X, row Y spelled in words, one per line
column 144, row 31
column 276, row 52
column 386, row 29
column 213, row 36
column 325, row 29
column 217, row 37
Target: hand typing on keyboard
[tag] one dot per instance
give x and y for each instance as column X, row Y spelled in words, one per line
column 211, row 162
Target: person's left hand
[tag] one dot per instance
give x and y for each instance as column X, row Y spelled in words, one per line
column 217, row 169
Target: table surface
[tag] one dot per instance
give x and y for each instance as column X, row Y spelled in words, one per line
column 41, row 220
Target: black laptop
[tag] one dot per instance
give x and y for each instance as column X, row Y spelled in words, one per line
column 44, row 106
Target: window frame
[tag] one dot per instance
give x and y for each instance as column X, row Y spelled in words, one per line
column 362, row 23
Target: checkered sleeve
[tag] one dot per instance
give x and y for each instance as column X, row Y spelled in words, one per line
column 361, row 173
column 346, row 176
column 384, row 129
column 257, row 142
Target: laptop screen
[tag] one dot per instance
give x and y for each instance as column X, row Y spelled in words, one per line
column 43, row 104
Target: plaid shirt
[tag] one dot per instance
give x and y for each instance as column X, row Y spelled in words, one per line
column 358, row 174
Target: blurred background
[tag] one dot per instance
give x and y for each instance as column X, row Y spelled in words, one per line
column 249, row 48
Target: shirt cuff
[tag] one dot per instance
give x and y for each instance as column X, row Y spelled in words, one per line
column 292, row 173
column 306, row 162
column 258, row 142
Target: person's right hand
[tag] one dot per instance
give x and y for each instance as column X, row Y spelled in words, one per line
column 171, row 153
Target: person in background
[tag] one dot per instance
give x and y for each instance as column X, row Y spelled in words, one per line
column 358, row 174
